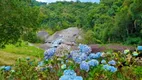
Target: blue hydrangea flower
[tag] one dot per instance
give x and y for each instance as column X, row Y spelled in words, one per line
column 78, row 78
column 84, row 66
column 139, row 48
column 74, row 53
column 103, row 61
column 84, row 48
column 112, row 69
column 92, row 56
column 83, row 57
column 69, row 72
column 93, row 62
column 109, row 68
column 112, row 62
column 7, row 68
column 95, row 56
column 49, row 53
column 77, row 58
column 65, row 77
column 70, row 75
column 106, row 67
column 98, row 54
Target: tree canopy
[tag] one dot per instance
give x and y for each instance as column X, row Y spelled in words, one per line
column 108, row 21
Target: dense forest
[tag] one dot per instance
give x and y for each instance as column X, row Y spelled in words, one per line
column 105, row 22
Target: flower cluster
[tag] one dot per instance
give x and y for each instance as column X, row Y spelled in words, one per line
column 84, row 48
column 49, row 53
column 83, row 54
column 109, row 68
column 70, row 75
column 112, row 62
column 84, row 66
column 95, row 56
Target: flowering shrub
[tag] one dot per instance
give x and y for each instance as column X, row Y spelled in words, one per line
column 84, row 66
column 89, row 66
column 70, row 75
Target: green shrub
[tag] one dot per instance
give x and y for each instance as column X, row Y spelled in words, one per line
column 31, row 37
column 88, row 38
column 133, row 40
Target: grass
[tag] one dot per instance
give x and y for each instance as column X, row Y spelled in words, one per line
column 24, row 50
column 9, row 58
column 10, row 53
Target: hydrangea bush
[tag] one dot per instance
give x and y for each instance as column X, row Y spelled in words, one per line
column 80, row 64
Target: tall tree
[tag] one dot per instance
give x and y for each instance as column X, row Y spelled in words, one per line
column 16, row 18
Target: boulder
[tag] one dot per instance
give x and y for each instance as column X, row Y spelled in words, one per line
column 68, row 35
column 43, row 35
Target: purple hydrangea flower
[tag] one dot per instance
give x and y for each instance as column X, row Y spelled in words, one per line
column 84, row 48
column 93, row 62
column 103, row 61
column 112, row 62
column 49, row 53
column 84, row 66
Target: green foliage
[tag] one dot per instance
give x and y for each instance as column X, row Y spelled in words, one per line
column 138, row 71
column 88, row 38
column 132, row 40
column 31, row 37
column 16, row 16
column 62, row 15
